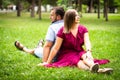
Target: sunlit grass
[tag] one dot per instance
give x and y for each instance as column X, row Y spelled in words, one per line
column 17, row 65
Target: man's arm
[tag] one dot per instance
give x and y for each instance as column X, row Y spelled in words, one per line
column 46, row 50
column 55, row 49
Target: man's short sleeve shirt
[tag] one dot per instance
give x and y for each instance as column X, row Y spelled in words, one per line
column 53, row 30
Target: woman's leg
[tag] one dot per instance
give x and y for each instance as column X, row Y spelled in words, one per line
column 82, row 65
column 90, row 63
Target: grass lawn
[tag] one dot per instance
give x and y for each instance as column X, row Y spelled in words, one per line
column 17, row 65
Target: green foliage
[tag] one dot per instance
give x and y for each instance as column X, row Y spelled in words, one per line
column 65, row 4
column 17, row 65
column 51, row 2
column 6, row 3
column 116, row 3
column 84, row 8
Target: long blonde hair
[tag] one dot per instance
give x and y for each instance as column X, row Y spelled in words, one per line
column 69, row 19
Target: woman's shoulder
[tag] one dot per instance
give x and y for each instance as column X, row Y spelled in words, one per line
column 82, row 28
column 61, row 30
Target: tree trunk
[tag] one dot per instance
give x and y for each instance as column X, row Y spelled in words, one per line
column 106, row 10
column 32, row 9
column 98, row 9
column 80, row 7
column 76, row 4
column 1, row 4
column 18, row 8
column 39, row 9
column 90, row 6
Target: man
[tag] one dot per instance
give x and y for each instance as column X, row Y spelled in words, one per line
column 56, row 17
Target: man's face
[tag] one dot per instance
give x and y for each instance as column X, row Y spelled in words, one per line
column 53, row 16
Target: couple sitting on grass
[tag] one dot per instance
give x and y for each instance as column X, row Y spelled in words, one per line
column 64, row 41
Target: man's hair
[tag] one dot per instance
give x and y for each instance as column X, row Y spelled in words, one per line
column 59, row 11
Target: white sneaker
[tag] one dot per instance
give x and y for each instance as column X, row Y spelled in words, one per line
column 106, row 71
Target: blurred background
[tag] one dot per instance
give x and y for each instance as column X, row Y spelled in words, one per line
column 39, row 6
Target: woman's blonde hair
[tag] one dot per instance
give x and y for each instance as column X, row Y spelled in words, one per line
column 69, row 19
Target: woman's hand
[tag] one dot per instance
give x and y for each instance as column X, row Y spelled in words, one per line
column 43, row 64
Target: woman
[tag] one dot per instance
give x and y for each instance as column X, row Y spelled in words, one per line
column 69, row 43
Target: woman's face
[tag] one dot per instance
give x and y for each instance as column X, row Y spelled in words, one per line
column 77, row 17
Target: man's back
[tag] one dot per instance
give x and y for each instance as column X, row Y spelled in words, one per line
column 53, row 30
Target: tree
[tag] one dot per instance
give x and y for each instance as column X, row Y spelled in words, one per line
column 50, row 2
column 1, row 4
column 80, row 5
column 32, row 8
column 106, row 9
column 39, row 8
column 18, row 8
column 90, row 6
column 66, row 4
column 98, row 9
column 18, row 4
column 113, row 4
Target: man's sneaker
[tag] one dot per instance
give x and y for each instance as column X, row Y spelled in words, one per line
column 41, row 43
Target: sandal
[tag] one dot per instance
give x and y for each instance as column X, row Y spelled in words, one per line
column 95, row 68
column 41, row 43
column 106, row 71
column 18, row 45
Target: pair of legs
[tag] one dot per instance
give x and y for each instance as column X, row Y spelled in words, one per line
column 38, row 51
column 31, row 51
column 87, row 63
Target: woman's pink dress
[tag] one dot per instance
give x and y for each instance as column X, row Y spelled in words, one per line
column 71, row 50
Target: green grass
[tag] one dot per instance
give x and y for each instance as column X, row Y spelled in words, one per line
column 17, row 65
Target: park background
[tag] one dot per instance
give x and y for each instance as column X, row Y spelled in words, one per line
column 29, row 25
